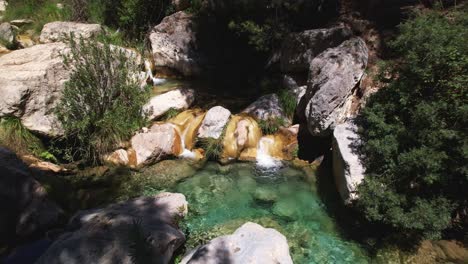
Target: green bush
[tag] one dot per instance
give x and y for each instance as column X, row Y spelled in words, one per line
column 415, row 130
column 102, row 102
column 272, row 125
column 288, row 102
column 14, row 136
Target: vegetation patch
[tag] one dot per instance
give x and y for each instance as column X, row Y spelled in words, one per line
column 271, row 125
column 102, row 102
column 288, row 102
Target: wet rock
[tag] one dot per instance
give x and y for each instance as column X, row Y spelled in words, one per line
column 298, row 49
column 333, row 77
column 7, row 34
column 159, row 142
column 31, row 81
column 251, row 243
column 174, row 44
column 215, row 120
column 102, row 235
column 58, row 30
column 178, row 99
column 25, row 209
column 266, row 108
column 347, row 165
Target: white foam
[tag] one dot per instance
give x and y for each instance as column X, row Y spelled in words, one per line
column 264, row 160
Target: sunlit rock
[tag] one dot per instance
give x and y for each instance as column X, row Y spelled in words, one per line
column 174, row 44
column 187, row 124
column 119, row 157
column 102, row 235
column 266, row 108
column 215, row 120
column 333, row 77
column 161, row 141
column 251, row 243
column 58, row 31
column 348, row 169
column 242, row 133
column 179, row 99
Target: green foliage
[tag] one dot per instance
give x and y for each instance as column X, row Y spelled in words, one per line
column 40, row 11
column 288, row 102
column 213, row 147
column 14, row 136
column 415, row 130
column 272, row 125
column 102, row 102
column 141, row 249
column 171, row 113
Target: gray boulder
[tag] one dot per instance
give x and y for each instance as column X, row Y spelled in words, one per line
column 215, row 120
column 298, row 49
column 7, row 34
column 179, row 99
column 174, row 44
column 31, row 80
column 251, row 243
column 160, row 141
column 105, row 235
column 347, row 166
column 25, row 209
column 267, row 107
column 58, row 30
column 333, row 77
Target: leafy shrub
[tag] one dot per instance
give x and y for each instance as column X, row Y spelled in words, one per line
column 171, row 113
column 288, row 102
column 213, row 147
column 415, row 130
column 272, row 125
column 102, row 102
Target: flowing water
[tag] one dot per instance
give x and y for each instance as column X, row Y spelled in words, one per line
column 222, row 198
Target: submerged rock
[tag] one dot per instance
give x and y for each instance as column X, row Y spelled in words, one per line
column 266, row 108
column 179, row 99
column 347, row 166
column 160, row 141
column 298, row 49
column 215, row 120
column 174, row 44
column 31, row 81
column 251, row 243
column 58, row 31
column 105, row 235
column 333, row 76
column 25, row 208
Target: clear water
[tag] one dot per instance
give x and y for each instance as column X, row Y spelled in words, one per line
column 221, row 199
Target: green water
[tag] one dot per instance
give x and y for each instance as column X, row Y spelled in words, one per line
column 221, row 199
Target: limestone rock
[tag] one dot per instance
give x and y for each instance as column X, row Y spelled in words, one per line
column 58, row 30
column 21, row 22
column 161, row 140
column 25, row 209
column 118, row 157
column 31, row 81
column 267, row 107
column 298, row 49
column 174, row 44
column 215, row 120
column 3, row 5
column 179, row 99
column 251, row 243
column 7, row 34
column 334, row 75
column 347, row 166
column 102, row 235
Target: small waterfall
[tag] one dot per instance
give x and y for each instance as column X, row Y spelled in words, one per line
column 149, row 74
column 264, row 160
column 186, row 153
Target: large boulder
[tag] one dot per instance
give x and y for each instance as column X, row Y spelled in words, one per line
column 266, row 108
column 58, row 30
column 174, row 44
column 348, row 169
column 7, row 34
column 25, row 209
column 31, row 81
column 251, row 243
column 298, row 49
column 107, row 235
column 333, row 77
column 215, row 120
column 160, row 141
column 179, row 99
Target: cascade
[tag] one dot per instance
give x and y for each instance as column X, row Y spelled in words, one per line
column 264, row 159
column 186, row 124
column 149, row 74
